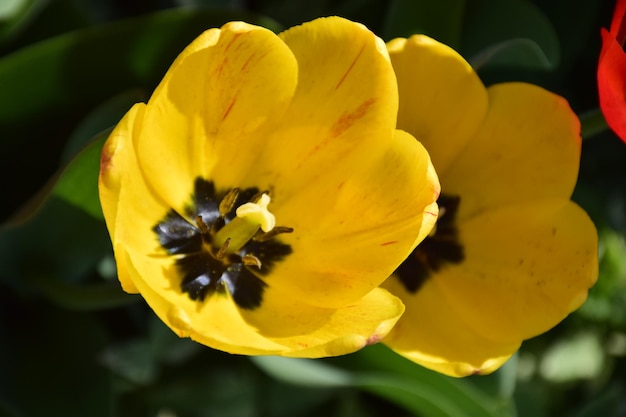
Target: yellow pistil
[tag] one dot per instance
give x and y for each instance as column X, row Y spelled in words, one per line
column 251, row 217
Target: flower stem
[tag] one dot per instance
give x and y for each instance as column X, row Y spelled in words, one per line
column 592, row 123
column 83, row 297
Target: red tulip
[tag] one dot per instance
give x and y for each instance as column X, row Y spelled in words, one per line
column 612, row 72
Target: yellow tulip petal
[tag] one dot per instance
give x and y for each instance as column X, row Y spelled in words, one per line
column 360, row 231
column 215, row 105
column 117, row 162
column 284, row 326
column 434, row 335
column 217, row 322
column 117, row 153
column 526, row 268
column 308, row 331
column 442, row 100
column 343, row 111
column 527, row 148
column 348, row 176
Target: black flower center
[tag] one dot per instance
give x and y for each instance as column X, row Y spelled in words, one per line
column 437, row 250
column 206, row 268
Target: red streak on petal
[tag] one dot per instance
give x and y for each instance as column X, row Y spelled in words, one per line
column 342, row 124
column 220, row 69
column 343, row 78
column 253, row 59
column 245, row 64
column 232, row 41
column 224, row 52
column 347, row 119
column 230, row 106
column 392, row 242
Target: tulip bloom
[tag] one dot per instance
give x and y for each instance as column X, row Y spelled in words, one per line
column 612, row 72
column 263, row 193
column 510, row 255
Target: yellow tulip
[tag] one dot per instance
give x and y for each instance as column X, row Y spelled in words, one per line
column 511, row 255
column 262, row 195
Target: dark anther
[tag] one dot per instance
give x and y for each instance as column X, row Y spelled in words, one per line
column 269, row 253
column 204, row 229
column 228, row 201
column 251, row 260
column 440, row 249
column 262, row 236
column 256, row 197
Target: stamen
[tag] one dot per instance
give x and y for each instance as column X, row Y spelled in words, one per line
column 256, row 197
column 224, row 244
column 250, row 217
column 204, row 228
column 228, row 202
column 251, row 260
column 265, row 236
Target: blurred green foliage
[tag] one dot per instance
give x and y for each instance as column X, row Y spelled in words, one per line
column 73, row 344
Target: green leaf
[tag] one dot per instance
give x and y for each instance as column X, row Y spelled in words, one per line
column 85, row 67
column 592, row 123
column 139, row 360
column 534, row 398
column 612, row 261
column 202, row 388
column 500, row 385
column 468, row 399
column 518, row 53
column 133, row 360
column 99, row 296
column 608, row 403
column 78, row 183
column 10, row 8
column 303, row 371
column 101, row 119
column 66, row 243
column 15, row 15
column 387, row 375
column 441, row 20
column 282, row 399
column 579, row 357
column 63, row 230
column 511, row 34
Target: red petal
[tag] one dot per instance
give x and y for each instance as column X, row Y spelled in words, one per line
column 618, row 31
column 612, row 83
